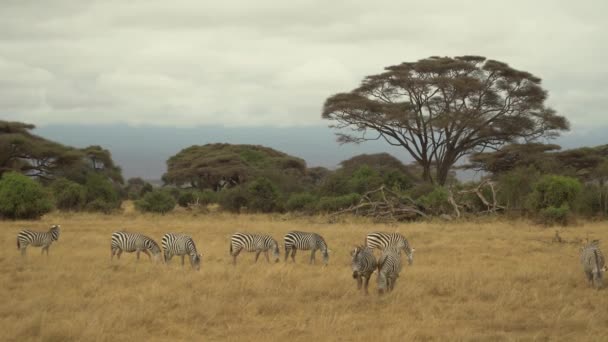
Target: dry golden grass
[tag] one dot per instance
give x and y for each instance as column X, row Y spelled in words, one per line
column 470, row 281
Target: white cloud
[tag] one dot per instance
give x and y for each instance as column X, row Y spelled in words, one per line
column 187, row 63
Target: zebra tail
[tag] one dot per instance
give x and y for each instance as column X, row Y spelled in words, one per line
column 354, row 275
column 230, row 248
column 18, row 244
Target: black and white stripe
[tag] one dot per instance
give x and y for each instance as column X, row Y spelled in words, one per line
column 593, row 263
column 182, row 245
column 257, row 243
column 389, row 267
column 305, row 241
column 37, row 239
column 133, row 242
column 363, row 264
column 382, row 240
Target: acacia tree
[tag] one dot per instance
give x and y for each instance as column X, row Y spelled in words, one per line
column 440, row 109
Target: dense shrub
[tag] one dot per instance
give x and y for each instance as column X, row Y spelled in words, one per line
column 364, row 179
column 554, row 191
column 331, row 204
column 516, row 185
column 233, row 199
column 555, row 215
column 263, row 196
column 302, row 202
column 68, row 195
column 157, row 201
column 436, row 201
column 22, row 197
column 101, row 194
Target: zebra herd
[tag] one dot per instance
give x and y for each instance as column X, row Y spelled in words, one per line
column 363, row 262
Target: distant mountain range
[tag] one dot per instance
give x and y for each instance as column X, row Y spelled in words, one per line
column 141, row 151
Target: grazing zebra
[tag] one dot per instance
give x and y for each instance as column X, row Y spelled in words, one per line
column 382, row 240
column 253, row 243
column 133, row 242
column 363, row 265
column 37, row 239
column 389, row 266
column 305, row 241
column 593, row 263
column 182, row 245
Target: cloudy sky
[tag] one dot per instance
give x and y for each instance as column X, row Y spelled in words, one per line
column 185, row 64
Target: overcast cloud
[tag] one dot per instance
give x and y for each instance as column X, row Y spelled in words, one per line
column 253, row 63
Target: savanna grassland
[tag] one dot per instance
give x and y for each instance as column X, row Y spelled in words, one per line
column 488, row 280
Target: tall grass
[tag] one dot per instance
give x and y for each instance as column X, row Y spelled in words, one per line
column 470, row 281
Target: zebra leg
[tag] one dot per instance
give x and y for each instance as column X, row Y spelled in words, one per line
column 257, row 255
column 234, row 255
column 359, row 281
column 286, row 253
column 23, row 251
column 119, row 253
column 293, row 255
column 366, row 284
column 312, row 257
column 147, row 253
column 137, row 253
column 589, row 275
column 183, row 260
column 267, row 258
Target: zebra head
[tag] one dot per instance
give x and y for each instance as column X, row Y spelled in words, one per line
column 195, row 261
column 55, row 232
column 155, row 250
column 326, row 252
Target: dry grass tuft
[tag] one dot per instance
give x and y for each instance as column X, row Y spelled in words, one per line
column 470, row 281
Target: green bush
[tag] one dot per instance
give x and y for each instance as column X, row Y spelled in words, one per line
column 552, row 215
column 68, row 195
column 302, row 202
column 22, row 197
column 331, row 204
column 554, row 191
column 516, row 185
column 364, row 179
column 263, row 196
column 157, row 201
column 436, row 201
column 233, row 199
column 101, row 194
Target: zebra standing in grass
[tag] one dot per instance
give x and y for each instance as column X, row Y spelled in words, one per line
column 37, row 239
column 383, row 240
column 389, row 266
column 593, row 263
column 253, row 243
column 305, row 241
column 182, row 245
column 133, row 242
column 363, row 265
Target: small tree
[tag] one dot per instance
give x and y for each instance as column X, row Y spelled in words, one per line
column 234, row 199
column 101, row 194
column 157, row 201
column 22, row 197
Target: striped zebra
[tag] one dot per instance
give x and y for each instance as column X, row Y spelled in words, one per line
column 253, row 243
column 389, row 266
column 593, row 263
column 182, row 245
column 363, row 265
column 133, row 242
column 305, row 241
column 382, row 240
column 37, row 239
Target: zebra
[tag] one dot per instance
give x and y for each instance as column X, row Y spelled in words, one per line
column 295, row 240
column 37, row 239
column 383, row 240
column 253, row 243
column 182, row 245
column 593, row 263
column 363, row 265
column 389, row 266
column 133, row 242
